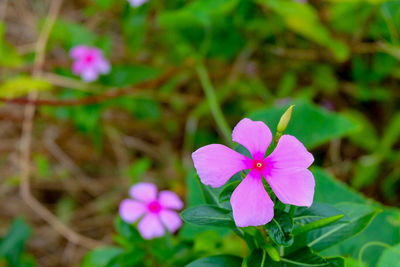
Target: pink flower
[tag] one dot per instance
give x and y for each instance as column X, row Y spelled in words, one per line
column 89, row 62
column 285, row 170
column 158, row 212
column 136, row 3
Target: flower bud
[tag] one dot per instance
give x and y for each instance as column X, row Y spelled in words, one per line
column 284, row 121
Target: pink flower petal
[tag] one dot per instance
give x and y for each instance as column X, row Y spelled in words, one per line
column 292, row 186
column 89, row 74
column 78, row 51
column 170, row 200
column 171, row 220
column 290, row 153
column 78, row 66
column 103, row 66
column 130, row 210
column 250, row 202
column 253, row 135
column 150, row 226
column 216, row 164
column 136, row 3
column 145, row 192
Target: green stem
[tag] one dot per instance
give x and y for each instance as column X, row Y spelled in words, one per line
column 213, row 102
column 292, row 210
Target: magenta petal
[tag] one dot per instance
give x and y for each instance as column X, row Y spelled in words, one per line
column 250, row 202
column 145, row 192
column 103, row 66
column 170, row 200
column 89, row 74
column 150, row 226
column 253, row 135
column 171, row 220
column 292, row 186
column 216, row 164
column 78, row 51
column 131, row 210
column 290, row 153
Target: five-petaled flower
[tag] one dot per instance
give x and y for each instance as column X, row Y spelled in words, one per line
column 285, row 170
column 158, row 211
column 89, row 62
column 136, row 3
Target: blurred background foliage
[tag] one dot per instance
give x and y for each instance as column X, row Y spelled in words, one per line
column 183, row 73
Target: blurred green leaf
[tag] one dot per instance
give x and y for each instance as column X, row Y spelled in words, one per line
column 71, row 33
column 42, row 166
column 366, row 170
column 128, row 75
column 100, row 257
column 19, row 86
column 390, row 257
column 365, row 135
column 13, row 243
column 138, row 168
column 217, row 261
column 208, row 215
column 8, row 54
column 303, row 19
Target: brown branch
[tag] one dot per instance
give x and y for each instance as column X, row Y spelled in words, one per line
column 96, row 98
column 26, row 140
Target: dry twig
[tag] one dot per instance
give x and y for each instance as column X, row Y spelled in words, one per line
column 26, row 140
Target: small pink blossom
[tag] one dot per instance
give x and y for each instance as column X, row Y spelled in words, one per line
column 89, row 62
column 157, row 212
column 136, row 3
column 285, row 170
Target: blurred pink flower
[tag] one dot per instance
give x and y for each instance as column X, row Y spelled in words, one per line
column 89, row 62
column 136, row 3
column 158, row 212
column 285, row 170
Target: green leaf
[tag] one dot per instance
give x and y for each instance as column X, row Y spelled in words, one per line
column 134, row 257
column 280, row 228
column 194, row 198
column 208, row 215
column 390, row 257
column 128, row 233
column 365, row 135
column 257, row 257
column 358, row 218
column 217, row 261
column 13, row 243
column 71, row 34
column 8, row 54
column 226, row 192
column 306, row 257
column 127, row 75
column 317, row 224
column 312, row 125
column 303, row 19
column 316, row 212
column 384, row 228
column 317, row 216
column 22, row 85
column 138, row 168
column 332, row 191
column 101, row 257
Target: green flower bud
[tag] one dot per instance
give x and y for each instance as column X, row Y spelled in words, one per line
column 284, row 121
